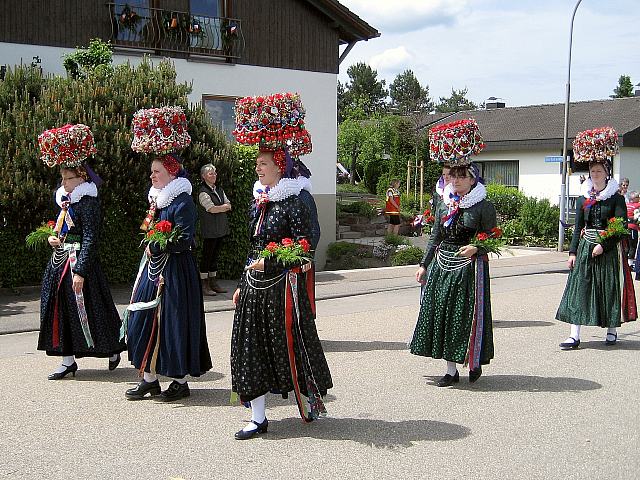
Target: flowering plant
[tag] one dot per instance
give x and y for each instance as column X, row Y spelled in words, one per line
column 491, row 242
column 68, row 145
column 288, row 252
column 162, row 233
column 596, row 144
column 160, row 130
column 273, row 122
column 41, row 235
column 615, row 229
column 453, row 143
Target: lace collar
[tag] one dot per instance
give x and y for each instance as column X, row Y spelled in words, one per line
column 164, row 196
column 610, row 190
column 86, row 188
column 476, row 195
column 285, row 188
column 439, row 190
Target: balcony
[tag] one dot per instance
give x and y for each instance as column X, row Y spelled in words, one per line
column 174, row 33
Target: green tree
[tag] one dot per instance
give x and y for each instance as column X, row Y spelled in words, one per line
column 84, row 61
column 457, row 102
column 364, row 88
column 624, row 88
column 408, row 96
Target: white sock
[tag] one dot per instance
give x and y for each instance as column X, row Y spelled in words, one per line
column 181, row 381
column 451, row 368
column 67, row 361
column 575, row 331
column 149, row 377
column 612, row 331
column 114, row 357
column 258, row 412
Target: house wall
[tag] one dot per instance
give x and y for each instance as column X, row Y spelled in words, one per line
column 630, row 167
column 318, row 92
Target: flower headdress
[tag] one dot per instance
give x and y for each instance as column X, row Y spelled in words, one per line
column 275, row 123
column 596, row 145
column 160, row 130
column 67, row 146
column 453, row 143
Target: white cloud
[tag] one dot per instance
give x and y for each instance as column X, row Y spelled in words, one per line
column 401, row 16
column 391, row 60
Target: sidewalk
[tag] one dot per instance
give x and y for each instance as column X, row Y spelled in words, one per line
column 21, row 312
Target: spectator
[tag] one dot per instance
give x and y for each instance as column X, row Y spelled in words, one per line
column 624, row 189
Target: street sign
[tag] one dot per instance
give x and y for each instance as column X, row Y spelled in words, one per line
column 554, row 159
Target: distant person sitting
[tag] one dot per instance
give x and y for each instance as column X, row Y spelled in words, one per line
column 392, row 207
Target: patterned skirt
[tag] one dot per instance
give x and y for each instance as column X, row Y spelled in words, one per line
column 599, row 290
column 454, row 322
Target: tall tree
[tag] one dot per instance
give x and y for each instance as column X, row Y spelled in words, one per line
column 365, row 88
column 408, row 96
column 457, row 102
column 624, row 88
column 343, row 101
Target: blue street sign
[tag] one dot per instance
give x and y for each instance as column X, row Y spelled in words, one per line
column 554, row 159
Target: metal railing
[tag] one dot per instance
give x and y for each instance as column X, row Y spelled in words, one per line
column 173, row 31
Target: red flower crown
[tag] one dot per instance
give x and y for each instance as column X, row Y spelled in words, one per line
column 453, row 143
column 160, row 130
column 596, row 145
column 68, row 145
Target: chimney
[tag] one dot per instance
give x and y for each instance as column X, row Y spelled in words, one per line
column 492, row 103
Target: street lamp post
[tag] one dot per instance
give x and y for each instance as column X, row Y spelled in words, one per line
column 563, row 186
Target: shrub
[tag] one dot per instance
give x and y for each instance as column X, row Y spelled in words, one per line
column 349, row 188
column 507, row 200
column 407, row 256
column 395, row 240
column 337, row 250
column 359, row 208
column 539, row 218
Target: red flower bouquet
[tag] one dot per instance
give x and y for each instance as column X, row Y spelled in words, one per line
column 615, row 229
column 490, row 242
column 68, row 146
column 288, row 252
column 596, row 144
column 273, row 122
column 40, row 235
column 160, row 130
column 162, row 233
column 453, row 143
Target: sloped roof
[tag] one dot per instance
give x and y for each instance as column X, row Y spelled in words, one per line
column 350, row 26
column 538, row 126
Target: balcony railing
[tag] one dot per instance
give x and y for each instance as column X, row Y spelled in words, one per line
column 170, row 31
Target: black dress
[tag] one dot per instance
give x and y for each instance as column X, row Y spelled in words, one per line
column 267, row 335
column 61, row 333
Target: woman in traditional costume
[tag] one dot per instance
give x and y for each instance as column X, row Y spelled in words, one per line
column 454, row 322
column 166, row 331
column 599, row 290
column 275, row 345
column 77, row 315
column 438, row 191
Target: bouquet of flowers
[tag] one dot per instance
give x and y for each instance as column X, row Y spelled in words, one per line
column 492, row 242
column 160, row 130
column 453, row 143
column 615, row 229
column 69, row 145
column 41, row 235
column 162, row 233
column 288, row 252
column 595, row 144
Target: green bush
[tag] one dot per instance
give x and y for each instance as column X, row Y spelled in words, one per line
column 507, row 200
column 395, row 240
column 539, row 218
column 407, row 256
column 31, row 103
column 348, row 188
column 359, row 208
column 337, row 250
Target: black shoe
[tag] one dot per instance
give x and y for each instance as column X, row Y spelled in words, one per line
column 139, row 391
column 611, row 342
column 115, row 363
column 448, row 380
column 176, row 391
column 262, row 428
column 570, row 344
column 70, row 369
column 474, row 375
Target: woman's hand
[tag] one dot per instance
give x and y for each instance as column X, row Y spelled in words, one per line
column 571, row 262
column 468, row 251
column 236, row 296
column 53, row 241
column 257, row 265
column 420, row 273
column 597, row 250
column 78, row 282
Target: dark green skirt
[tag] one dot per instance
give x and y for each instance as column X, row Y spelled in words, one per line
column 593, row 293
column 448, row 326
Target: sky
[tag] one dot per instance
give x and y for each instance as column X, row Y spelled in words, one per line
column 515, row 50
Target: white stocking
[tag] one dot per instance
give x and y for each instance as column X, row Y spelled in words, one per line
column 258, row 412
column 150, row 377
column 451, row 368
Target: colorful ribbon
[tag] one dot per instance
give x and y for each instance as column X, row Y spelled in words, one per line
column 474, row 349
column 453, row 209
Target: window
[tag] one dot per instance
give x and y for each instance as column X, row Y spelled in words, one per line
column 504, row 172
column 220, row 109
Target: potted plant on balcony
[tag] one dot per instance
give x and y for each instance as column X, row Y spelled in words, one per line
column 176, row 26
column 129, row 19
column 229, row 34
